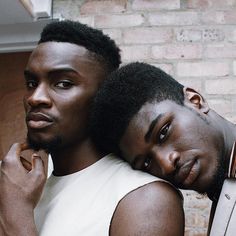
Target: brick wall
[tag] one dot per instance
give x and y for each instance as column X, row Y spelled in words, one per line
column 193, row 40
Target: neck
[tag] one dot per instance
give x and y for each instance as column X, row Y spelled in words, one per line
column 226, row 133
column 229, row 135
column 74, row 158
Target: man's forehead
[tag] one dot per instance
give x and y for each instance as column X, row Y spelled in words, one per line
column 60, row 48
column 59, row 54
column 149, row 112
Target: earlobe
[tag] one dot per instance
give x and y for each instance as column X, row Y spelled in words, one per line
column 195, row 100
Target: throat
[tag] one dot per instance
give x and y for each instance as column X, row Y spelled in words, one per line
column 73, row 159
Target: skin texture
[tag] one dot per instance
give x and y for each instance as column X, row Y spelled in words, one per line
column 141, row 209
column 13, row 187
column 61, row 80
column 185, row 144
column 60, row 85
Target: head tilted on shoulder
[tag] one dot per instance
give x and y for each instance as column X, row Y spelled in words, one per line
column 162, row 127
column 122, row 96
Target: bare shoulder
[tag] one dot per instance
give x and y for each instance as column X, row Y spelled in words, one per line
column 153, row 209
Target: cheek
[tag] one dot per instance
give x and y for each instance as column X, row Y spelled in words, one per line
column 190, row 133
column 131, row 146
column 26, row 106
column 72, row 103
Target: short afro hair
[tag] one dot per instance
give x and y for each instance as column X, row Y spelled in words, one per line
column 121, row 97
column 100, row 45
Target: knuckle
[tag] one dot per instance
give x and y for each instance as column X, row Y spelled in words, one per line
column 4, row 165
column 14, row 146
column 40, row 175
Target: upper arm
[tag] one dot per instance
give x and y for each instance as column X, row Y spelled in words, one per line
column 154, row 209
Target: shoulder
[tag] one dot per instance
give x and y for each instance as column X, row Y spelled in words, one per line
column 153, row 209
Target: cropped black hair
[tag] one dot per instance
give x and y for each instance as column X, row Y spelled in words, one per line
column 102, row 47
column 121, row 97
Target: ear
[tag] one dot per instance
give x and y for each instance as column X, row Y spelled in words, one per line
column 195, row 100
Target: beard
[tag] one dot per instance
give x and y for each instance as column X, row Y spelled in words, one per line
column 213, row 191
column 48, row 146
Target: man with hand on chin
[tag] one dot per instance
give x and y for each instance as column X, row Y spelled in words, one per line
column 89, row 192
column 169, row 131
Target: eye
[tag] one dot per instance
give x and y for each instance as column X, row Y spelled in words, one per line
column 31, row 84
column 64, row 84
column 147, row 163
column 163, row 133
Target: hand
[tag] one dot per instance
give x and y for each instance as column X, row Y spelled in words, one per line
column 21, row 185
column 20, row 180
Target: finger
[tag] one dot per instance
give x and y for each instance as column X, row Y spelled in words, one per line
column 37, row 164
column 14, row 152
column 14, row 149
column 17, row 148
column 24, row 146
column 27, row 165
column 12, row 159
column 37, row 174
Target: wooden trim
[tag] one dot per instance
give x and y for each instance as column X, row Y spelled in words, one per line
column 21, row 37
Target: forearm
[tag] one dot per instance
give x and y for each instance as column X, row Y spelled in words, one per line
column 21, row 189
column 20, row 223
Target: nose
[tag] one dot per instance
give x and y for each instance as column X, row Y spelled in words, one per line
column 166, row 161
column 39, row 97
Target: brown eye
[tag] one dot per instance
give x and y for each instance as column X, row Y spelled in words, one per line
column 147, row 163
column 163, row 133
column 31, row 84
column 64, row 84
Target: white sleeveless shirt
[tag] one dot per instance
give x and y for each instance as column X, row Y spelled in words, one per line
column 83, row 203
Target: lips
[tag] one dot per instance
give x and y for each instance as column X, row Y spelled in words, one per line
column 38, row 120
column 187, row 173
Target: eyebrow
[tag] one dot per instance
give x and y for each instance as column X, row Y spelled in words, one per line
column 63, row 70
column 56, row 70
column 151, row 127
column 28, row 73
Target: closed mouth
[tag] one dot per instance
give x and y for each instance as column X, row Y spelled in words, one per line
column 38, row 120
column 187, row 173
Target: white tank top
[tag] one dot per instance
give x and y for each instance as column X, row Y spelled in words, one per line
column 82, row 204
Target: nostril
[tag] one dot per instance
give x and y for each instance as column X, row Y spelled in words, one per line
column 39, row 97
column 174, row 158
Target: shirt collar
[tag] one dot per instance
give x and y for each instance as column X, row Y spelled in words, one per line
column 232, row 163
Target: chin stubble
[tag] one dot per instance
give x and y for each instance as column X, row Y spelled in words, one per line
column 49, row 146
column 213, row 191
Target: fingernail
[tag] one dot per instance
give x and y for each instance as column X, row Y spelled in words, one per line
column 35, row 155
